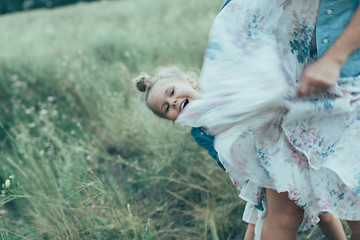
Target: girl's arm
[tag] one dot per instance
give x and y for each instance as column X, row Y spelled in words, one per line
column 324, row 73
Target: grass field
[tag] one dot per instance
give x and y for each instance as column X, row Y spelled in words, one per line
column 81, row 156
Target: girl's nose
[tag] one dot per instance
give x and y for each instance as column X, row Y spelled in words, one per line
column 174, row 103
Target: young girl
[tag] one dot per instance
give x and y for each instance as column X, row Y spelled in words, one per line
column 298, row 149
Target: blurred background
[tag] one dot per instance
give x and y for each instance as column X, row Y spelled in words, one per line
column 81, row 157
column 8, row 6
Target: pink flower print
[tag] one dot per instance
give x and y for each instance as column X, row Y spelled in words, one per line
column 299, row 158
column 294, row 195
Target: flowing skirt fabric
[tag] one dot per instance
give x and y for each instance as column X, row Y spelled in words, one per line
column 266, row 137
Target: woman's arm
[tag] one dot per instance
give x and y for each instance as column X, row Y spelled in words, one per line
column 324, row 73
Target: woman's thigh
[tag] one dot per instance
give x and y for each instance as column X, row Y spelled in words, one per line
column 285, row 211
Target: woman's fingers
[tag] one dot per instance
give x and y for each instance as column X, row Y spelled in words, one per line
column 303, row 89
column 312, row 86
column 307, row 87
column 318, row 77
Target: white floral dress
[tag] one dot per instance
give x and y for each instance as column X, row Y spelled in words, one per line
column 266, row 137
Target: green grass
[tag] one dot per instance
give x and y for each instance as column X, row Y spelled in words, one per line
column 89, row 160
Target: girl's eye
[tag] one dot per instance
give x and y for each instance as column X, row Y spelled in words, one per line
column 167, row 108
column 172, row 92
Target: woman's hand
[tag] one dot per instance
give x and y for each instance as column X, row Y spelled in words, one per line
column 323, row 74
column 319, row 77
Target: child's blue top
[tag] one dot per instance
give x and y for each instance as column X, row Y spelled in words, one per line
column 227, row 1
column 206, row 141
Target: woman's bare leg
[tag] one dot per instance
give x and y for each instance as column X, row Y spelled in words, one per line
column 250, row 232
column 355, row 229
column 283, row 217
column 331, row 227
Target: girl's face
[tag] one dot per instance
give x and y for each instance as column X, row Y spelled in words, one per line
column 168, row 98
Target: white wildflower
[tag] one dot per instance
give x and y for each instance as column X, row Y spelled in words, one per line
column 7, row 183
column 14, row 77
column 43, row 112
column 29, row 110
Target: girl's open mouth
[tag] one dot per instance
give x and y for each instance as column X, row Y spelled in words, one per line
column 183, row 104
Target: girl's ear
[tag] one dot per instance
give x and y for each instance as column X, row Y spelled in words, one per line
column 192, row 82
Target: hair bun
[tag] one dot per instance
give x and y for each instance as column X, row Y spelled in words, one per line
column 142, row 81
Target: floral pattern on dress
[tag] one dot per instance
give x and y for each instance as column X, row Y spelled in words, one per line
column 302, row 47
column 309, row 147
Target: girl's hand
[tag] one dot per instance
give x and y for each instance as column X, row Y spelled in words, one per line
column 319, row 77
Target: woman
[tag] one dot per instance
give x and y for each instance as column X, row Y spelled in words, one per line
column 298, row 149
